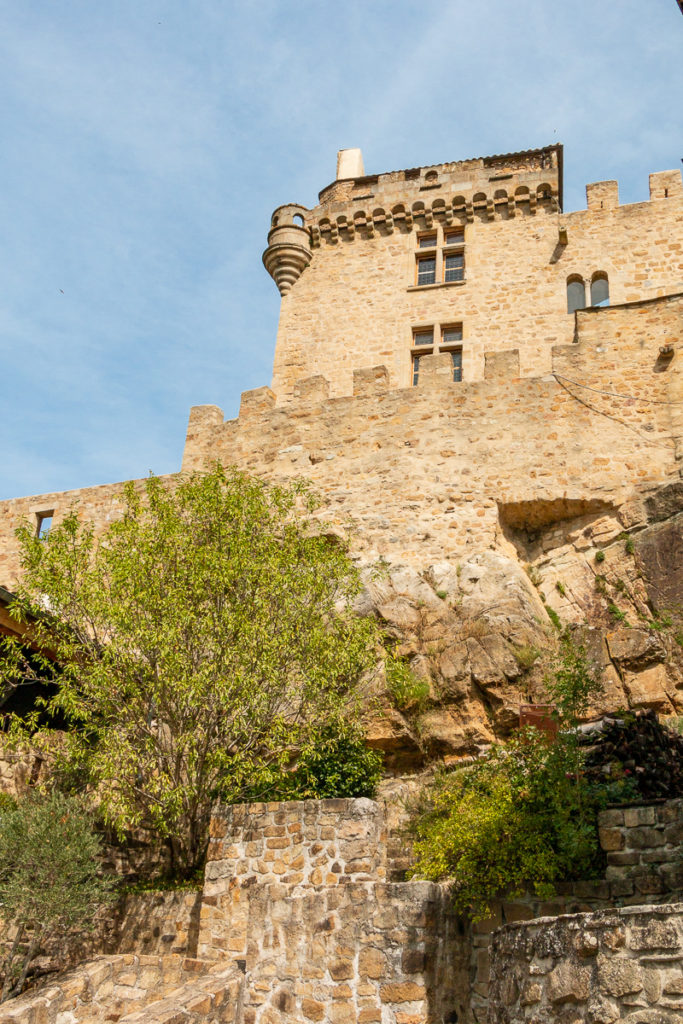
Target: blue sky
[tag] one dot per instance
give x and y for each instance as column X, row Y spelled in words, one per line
column 146, row 142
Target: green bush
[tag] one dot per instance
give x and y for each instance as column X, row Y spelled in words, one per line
column 339, row 764
column 406, row 689
column 522, row 817
column 516, row 820
column 49, row 880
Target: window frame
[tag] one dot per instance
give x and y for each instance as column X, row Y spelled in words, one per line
column 599, row 278
column 431, row 258
column 439, row 245
column 42, row 518
column 439, row 344
column 575, row 279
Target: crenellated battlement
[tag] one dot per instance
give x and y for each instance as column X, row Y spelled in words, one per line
column 433, row 470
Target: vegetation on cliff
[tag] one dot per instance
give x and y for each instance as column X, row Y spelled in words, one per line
column 523, row 816
column 200, row 647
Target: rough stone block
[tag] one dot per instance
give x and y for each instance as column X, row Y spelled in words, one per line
column 568, row 983
column 501, row 366
column 639, row 816
column 402, row 992
column 644, row 838
column 619, row 977
column 611, row 839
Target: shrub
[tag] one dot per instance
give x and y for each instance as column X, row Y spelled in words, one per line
column 407, row 690
column 339, row 764
column 48, row 878
column 521, row 817
column 515, row 820
column 599, row 556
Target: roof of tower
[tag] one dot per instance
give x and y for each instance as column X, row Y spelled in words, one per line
column 487, row 161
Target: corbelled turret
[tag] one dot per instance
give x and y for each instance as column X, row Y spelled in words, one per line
column 288, row 253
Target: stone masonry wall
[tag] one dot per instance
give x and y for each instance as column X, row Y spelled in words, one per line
column 643, row 846
column 326, row 945
column 100, row 505
column 135, row 989
column 614, row 965
column 432, row 472
column 652, row 873
column 445, row 469
column 313, row 842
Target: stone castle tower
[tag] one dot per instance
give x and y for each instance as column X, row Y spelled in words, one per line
column 459, row 258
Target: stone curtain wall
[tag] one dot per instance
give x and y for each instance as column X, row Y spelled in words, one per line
column 134, row 989
column 643, row 847
column 335, row 942
column 100, row 505
column 445, row 469
column 435, row 471
column 614, row 965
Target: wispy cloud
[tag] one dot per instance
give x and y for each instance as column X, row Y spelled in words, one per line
column 145, row 145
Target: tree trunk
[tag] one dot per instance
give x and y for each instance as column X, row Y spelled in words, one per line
column 9, row 960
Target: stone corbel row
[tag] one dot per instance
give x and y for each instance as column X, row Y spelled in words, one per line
column 459, row 210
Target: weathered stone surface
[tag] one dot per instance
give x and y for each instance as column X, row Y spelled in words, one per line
column 568, row 983
column 624, row 981
column 647, row 689
column 659, row 551
column 635, row 648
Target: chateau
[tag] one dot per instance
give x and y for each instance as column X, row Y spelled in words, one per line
column 458, row 361
column 487, row 393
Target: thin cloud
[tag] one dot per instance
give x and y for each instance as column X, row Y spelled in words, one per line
column 145, row 146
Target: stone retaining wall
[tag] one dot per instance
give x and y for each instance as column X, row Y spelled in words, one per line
column 643, row 846
column 652, row 873
column 296, row 892
column 296, row 897
column 150, row 923
column 312, row 842
column 614, row 965
column 135, row 989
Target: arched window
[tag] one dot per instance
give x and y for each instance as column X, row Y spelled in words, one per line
column 599, row 290
column 576, row 294
column 298, row 219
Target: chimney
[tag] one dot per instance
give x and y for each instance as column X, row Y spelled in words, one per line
column 349, row 164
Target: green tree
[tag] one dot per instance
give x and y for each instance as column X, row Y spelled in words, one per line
column 202, row 643
column 48, row 878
